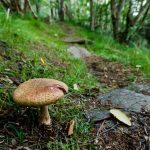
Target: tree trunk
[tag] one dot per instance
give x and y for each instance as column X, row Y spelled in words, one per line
column 15, row 6
column 115, row 15
column 124, row 36
column 106, row 18
column 68, row 13
column 37, row 8
column 92, row 22
column 61, row 10
column 130, row 21
column 12, row 5
column 115, row 19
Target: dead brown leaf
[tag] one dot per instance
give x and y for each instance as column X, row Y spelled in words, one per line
column 71, row 127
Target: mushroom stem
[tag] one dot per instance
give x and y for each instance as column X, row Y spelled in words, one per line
column 44, row 116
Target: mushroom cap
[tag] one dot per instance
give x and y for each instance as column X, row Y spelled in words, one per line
column 39, row 92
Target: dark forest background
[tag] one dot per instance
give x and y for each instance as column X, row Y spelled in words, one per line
column 125, row 20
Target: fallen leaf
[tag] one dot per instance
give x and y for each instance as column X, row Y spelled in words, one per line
column 42, row 60
column 56, row 35
column 75, row 87
column 147, row 138
column 23, row 148
column 121, row 116
column 71, row 127
column 1, row 141
column 138, row 66
column 7, row 79
column 13, row 142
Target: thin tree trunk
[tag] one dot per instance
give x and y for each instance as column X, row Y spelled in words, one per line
column 68, row 13
column 52, row 13
column 115, row 15
column 106, row 18
column 37, row 8
column 115, row 19
column 61, row 10
column 15, row 6
column 34, row 14
column 132, row 22
column 92, row 22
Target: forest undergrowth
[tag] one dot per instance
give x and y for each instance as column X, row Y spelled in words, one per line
column 32, row 49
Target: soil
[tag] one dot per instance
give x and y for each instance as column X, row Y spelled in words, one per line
column 21, row 126
column 110, row 134
column 112, row 74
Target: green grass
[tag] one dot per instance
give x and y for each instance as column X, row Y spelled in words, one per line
column 23, row 43
column 33, row 40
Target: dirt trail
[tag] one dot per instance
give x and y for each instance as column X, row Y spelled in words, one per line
column 109, row 73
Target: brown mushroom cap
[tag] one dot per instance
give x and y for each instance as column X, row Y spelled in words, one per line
column 39, row 92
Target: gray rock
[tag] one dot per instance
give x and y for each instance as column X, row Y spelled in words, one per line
column 139, row 88
column 97, row 115
column 127, row 99
column 79, row 52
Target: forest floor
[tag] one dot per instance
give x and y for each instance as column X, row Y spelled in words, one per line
column 113, row 75
column 19, row 128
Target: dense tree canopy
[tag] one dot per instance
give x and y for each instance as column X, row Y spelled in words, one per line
column 122, row 18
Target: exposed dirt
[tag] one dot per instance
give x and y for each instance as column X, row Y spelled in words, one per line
column 110, row 134
column 20, row 127
column 112, row 74
column 113, row 135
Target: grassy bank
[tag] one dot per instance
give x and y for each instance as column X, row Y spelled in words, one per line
column 30, row 49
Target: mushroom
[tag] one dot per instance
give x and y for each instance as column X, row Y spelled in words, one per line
column 40, row 92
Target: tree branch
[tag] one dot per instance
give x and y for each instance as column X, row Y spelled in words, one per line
column 30, row 7
column 142, row 12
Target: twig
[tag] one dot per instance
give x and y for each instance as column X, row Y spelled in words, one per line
column 98, row 132
column 110, row 128
column 145, row 129
column 101, row 127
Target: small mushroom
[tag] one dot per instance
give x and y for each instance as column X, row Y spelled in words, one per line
column 40, row 92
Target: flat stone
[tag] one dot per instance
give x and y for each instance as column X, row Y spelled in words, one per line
column 139, row 88
column 97, row 115
column 79, row 52
column 76, row 40
column 127, row 99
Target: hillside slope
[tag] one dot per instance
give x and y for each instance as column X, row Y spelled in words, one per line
column 32, row 49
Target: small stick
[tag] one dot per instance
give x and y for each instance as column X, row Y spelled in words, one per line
column 98, row 132
column 110, row 128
